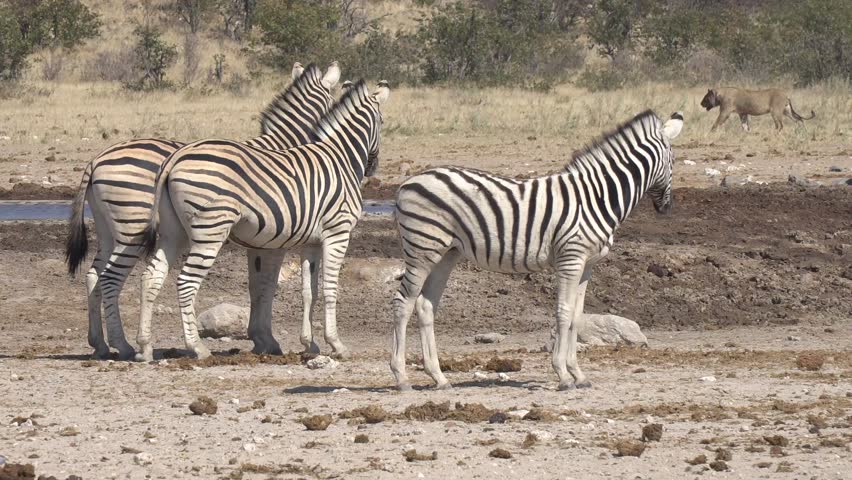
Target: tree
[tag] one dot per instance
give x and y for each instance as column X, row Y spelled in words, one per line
column 296, row 30
column 153, row 56
column 194, row 12
column 612, row 22
column 28, row 25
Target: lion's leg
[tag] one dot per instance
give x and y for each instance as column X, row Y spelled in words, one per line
column 723, row 116
column 744, row 121
column 777, row 118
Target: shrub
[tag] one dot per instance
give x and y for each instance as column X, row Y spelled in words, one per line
column 152, row 56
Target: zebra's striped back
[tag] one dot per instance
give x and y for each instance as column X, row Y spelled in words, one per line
column 510, row 225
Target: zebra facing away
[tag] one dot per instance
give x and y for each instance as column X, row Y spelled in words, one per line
column 565, row 221
column 119, row 185
column 269, row 201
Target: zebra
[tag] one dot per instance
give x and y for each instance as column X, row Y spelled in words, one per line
column 563, row 221
column 269, row 201
column 119, row 185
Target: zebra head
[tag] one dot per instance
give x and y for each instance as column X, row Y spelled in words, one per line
column 660, row 189
column 380, row 96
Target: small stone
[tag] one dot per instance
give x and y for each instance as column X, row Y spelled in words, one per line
column 500, row 453
column 204, row 406
column 793, row 338
column 712, row 172
column 362, row 438
column 542, row 435
column 249, row 447
column 629, row 448
column 341, row 390
column 724, row 454
column 322, row 361
column 479, row 376
column 317, row 422
column 707, row 379
column 492, row 337
column 688, row 162
column 518, row 413
column 699, row 460
column 652, row 432
column 776, row 440
column 498, row 417
column 143, row 458
column 69, row 431
column 502, row 377
column 835, row 168
column 719, row 466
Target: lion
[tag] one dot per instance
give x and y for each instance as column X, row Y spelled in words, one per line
column 751, row 102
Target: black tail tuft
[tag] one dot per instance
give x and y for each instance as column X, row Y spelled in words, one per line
column 149, row 239
column 77, row 243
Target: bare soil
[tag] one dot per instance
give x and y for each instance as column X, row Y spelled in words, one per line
column 749, row 286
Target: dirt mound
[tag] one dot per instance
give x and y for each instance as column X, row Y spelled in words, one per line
column 34, row 191
column 238, row 358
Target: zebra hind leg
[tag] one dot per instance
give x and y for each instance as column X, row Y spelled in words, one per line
column 115, row 273
column 310, row 285
column 153, row 279
column 96, row 328
column 426, row 306
column 198, row 262
column 264, row 267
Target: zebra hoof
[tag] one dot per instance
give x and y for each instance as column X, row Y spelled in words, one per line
column 101, row 354
column 564, row 387
column 404, row 387
column 444, row 386
column 127, row 355
column 201, row 352
column 312, row 348
column 583, row 384
column 343, row 354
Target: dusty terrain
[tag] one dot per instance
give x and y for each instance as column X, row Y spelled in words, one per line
column 749, row 285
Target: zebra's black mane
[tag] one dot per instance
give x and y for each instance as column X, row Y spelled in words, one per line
column 348, row 103
column 311, row 74
column 601, row 142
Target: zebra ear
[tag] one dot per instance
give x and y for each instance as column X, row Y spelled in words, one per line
column 332, row 75
column 383, row 92
column 673, row 125
column 297, row 71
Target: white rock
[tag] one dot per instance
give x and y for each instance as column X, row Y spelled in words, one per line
column 731, row 168
column 502, row 377
column 648, row 419
column 708, row 379
column 518, row 413
column 593, row 329
column 322, row 361
column 235, row 401
column 712, row 172
column 492, row 337
column 688, row 162
column 479, row 376
column 542, row 435
column 143, row 458
column 224, row 320
column 225, row 339
column 249, row 447
column 793, row 338
column 610, row 421
column 745, row 428
column 341, row 390
column 588, row 426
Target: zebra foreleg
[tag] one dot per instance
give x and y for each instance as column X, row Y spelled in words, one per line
column 572, row 365
column 426, row 307
column 96, row 328
column 333, row 251
column 568, row 287
column 310, row 285
column 112, row 279
column 264, row 267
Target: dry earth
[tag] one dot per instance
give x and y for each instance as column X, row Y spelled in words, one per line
column 748, row 285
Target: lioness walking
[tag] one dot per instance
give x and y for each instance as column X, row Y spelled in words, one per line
column 751, row 102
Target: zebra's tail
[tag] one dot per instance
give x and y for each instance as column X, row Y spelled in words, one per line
column 149, row 234
column 77, row 243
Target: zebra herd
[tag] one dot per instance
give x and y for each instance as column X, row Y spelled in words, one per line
column 298, row 186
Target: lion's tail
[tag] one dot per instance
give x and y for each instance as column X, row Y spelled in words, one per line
column 796, row 116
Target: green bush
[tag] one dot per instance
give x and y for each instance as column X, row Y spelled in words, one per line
column 26, row 26
column 152, row 56
column 297, row 31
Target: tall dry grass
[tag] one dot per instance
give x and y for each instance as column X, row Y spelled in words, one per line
column 68, row 113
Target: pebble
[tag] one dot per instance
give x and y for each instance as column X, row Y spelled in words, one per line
column 143, row 458
column 249, row 447
column 688, row 162
column 708, row 379
column 793, row 338
column 745, row 428
column 225, row 339
column 518, row 413
column 589, row 426
column 322, row 361
column 542, row 435
column 492, row 337
column 479, row 376
column 502, row 377
column 712, row 172
column 341, row 390
column 235, row 401
column 834, row 168
column 14, row 376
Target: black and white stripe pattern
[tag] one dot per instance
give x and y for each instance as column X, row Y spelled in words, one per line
column 119, row 185
column 564, row 221
column 269, row 201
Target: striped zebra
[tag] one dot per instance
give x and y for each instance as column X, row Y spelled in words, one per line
column 119, row 185
column 270, row 201
column 564, row 221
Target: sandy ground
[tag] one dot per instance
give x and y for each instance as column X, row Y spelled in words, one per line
column 745, row 285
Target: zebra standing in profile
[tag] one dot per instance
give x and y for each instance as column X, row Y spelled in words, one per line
column 119, row 185
column 565, row 221
column 308, row 196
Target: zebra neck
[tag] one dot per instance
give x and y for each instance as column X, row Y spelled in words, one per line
column 611, row 186
column 349, row 141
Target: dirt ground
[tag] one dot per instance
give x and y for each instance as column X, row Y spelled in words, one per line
column 748, row 285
